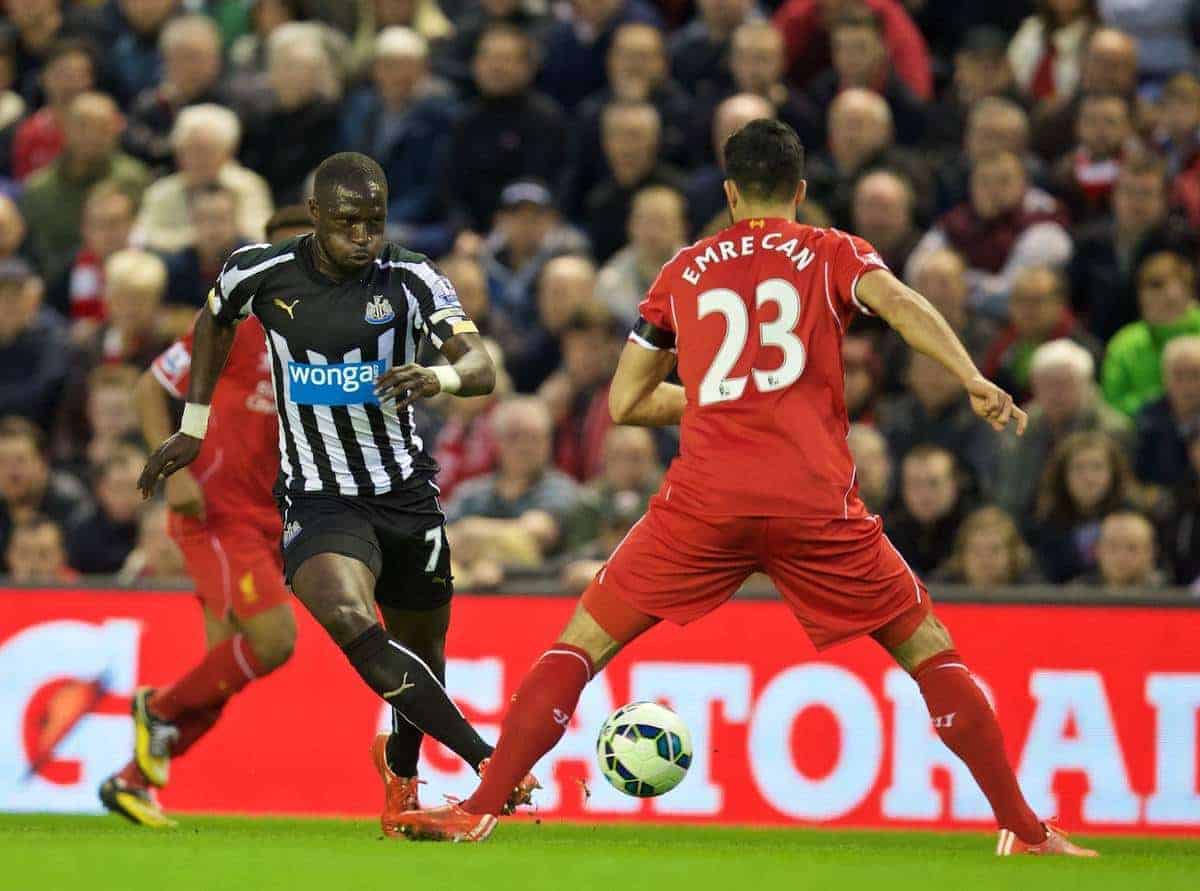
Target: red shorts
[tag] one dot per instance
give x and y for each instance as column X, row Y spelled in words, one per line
column 237, row 570
column 841, row 578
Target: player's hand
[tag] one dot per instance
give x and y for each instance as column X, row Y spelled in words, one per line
column 406, row 384
column 177, row 452
column 184, row 495
column 994, row 405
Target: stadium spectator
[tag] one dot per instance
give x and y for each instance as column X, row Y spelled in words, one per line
column 705, row 195
column 134, row 56
column 1125, row 553
column 1164, row 29
column 1085, row 177
column 466, row 443
column 632, row 139
column 1006, row 226
column 630, row 474
column 861, row 138
column 13, row 230
column 1166, row 426
column 1132, row 371
column 700, row 49
column 402, row 118
column 1181, row 527
column 69, row 71
column 111, row 415
column 508, row 132
column 205, row 139
column 882, row 212
column 12, row 104
column 935, row 410
column 191, row 52
column 860, row 59
column 155, row 556
column 288, row 222
column 40, row 26
column 101, row 541
column 108, row 214
column 1108, row 251
column 454, row 58
column 1087, row 478
column 54, row 196
column 638, row 71
column 1066, row 400
column 981, row 71
column 1179, row 141
column 28, row 485
column 34, row 348
column 248, row 52
column 930, row 508
column 192, row 270
column 863, row 376
column 515, row 516
column 576, row 47
column 470, row 282
column 577, row 392
column 37, row 555
column 566, row 283
column 988, row 551
column 303, row 103
column 1038, row 312
column 529, row 232
column 805, row 25
column 1046, row 53
column 875, row 470
column 996, row 123
column 423, row 16
column 657, row 229
column 941, row 277
column 1109, row 66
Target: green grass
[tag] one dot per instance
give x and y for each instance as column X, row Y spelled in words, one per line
column 49, row 853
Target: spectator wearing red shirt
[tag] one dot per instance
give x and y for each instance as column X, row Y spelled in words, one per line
column 805, row 26
column 37, row 555
column 1085, row 178
column 70, row 71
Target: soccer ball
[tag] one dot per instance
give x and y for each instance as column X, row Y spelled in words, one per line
column 644, row 749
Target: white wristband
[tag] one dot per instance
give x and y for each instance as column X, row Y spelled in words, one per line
column 195, row 420
column 448, row 378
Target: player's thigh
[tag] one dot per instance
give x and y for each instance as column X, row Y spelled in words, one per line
column 415, row 574
column 841, row 578
column 676, row 566
column 208, row 565
column 337, row 590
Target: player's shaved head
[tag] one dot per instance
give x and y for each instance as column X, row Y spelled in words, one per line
column 347, row 172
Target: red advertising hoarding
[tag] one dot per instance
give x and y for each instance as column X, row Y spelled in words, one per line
column 1099, row 706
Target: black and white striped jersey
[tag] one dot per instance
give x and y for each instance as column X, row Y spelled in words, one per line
column 328, row 342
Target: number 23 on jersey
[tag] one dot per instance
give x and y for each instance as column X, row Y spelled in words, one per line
column 717, row 385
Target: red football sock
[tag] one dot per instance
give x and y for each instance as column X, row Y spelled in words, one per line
column 194, row 725
column 132, row 775
column 225, row 669
column 536, row 721
column 967, row 725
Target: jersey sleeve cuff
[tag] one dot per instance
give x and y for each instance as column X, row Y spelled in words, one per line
column 646, row 334
column 166, row 382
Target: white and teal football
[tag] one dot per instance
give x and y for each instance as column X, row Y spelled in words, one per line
column 644, row 749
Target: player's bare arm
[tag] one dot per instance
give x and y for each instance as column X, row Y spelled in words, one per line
column 470, row 372
column 210, row 348
column 924, row 329
column 639, row 395
column 152, row 403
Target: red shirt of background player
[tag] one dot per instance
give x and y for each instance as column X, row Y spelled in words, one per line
column 764, row 431
column 239, row 461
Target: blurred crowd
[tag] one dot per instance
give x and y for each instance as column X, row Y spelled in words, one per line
column 1032, row 167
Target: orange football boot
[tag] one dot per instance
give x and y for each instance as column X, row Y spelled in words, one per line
column 399, row 793
column 1056, row 844
column 447, row 823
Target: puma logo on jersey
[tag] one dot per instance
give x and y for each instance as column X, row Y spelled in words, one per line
column 404, row 685
column 290, row 309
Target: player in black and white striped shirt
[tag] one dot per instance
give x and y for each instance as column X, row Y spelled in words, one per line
column 344, row 313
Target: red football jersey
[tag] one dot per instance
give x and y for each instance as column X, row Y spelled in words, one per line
column 239, row 460
column 758, row 313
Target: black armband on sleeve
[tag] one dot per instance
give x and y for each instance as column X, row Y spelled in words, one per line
column 446, row 323
column 651, row 336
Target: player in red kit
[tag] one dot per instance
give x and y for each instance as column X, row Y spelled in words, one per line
column 224, row 519
column 754, row 319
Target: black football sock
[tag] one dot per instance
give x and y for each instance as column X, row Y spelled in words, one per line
column 408, row 685
column 404, row 744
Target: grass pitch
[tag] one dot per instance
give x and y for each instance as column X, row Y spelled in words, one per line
column 50, row 853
